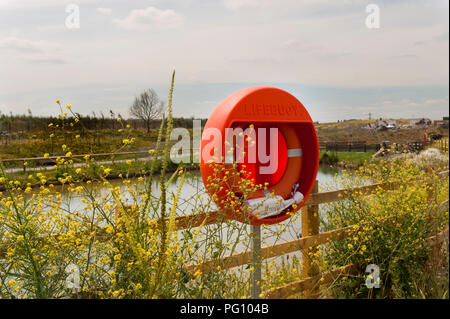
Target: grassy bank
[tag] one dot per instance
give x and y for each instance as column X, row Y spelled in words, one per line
column 89, row 172
column 102, row 141
column 352, row 159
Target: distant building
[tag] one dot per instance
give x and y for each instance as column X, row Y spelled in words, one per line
column 372, row 126
column 384, row 125
column 391, row 124
column 420, row 122
column 442, row 123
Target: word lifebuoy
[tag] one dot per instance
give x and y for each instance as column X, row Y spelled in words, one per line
column 298, row 154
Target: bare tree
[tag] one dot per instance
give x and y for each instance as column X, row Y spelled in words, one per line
column 147, row 106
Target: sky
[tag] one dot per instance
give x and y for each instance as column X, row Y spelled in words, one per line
column 321, row 51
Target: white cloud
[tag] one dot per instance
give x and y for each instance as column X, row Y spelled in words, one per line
column 413, row 105
column 51, row 28
column 238, row 4
column 36, row 52
column 300, row 46
column 150, row 17
column 47, row 60
column 17, row 4
column 27, row 46
column 438, row 101
column 105, row 11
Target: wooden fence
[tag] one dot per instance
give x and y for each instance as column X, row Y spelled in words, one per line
column 362, row 146
column 311, row 239
column 349, row 146
column 442, row 144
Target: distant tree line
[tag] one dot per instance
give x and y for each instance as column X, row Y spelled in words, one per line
column 27, row 123
column 146, row 111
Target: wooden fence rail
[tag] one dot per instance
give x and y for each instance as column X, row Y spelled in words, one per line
column 54, row 157
column 51, row 159
column 349, row 146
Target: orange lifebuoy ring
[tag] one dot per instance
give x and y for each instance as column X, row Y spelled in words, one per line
column 293, row 168
column 266, row 106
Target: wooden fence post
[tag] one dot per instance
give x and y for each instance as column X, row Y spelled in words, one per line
column 256, row 261
column 434, row 224
column 310, row 227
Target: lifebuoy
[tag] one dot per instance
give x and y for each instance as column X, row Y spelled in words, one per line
column 268, row 107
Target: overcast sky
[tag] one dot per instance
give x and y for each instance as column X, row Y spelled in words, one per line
column 319, row 50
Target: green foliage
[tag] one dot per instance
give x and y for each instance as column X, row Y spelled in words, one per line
column 391, row 229
column 355, row 159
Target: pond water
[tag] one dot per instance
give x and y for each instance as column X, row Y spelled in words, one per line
column 192, row 186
